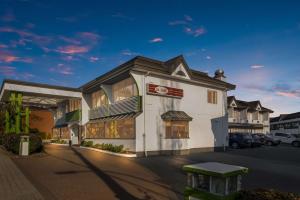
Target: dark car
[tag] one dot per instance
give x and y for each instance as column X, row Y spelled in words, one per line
column 239, row 140
column 266, row 139
column 256, row 140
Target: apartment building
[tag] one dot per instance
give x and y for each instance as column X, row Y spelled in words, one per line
column 247, row 116
column 286, row 123
column 147, row 105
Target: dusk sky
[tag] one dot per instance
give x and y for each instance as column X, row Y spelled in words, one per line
column 69, row 43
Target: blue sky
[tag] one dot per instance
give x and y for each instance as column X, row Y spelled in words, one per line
column 257, row 43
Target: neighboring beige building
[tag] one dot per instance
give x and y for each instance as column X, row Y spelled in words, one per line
column 247, row 116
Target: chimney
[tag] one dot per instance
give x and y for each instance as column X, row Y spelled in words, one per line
column 219, row 74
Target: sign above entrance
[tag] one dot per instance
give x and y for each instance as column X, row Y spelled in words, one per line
column 164, row 91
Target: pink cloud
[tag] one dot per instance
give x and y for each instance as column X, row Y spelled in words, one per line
column 127, row 52
column 8, row 58
column 62, row 69
column 155, row 40
column 3, row 46
column 73, row 49
column 291, row 94
column 7, row 71
column 89, row 36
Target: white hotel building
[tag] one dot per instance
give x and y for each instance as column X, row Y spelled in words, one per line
column 149, row 106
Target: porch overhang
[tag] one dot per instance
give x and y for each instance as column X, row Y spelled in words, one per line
column 36, row 94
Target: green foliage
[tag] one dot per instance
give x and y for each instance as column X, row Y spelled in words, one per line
column 43, row 135
column 107, row 147
column 264, row 194
column 87, row 143
column 12, row 143
column 58, row 141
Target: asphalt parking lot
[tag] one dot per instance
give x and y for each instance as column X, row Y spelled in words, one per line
column 65, row 173
column 270, row 167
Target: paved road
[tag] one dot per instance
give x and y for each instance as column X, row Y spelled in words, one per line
column 65, row 173
column 13, row 184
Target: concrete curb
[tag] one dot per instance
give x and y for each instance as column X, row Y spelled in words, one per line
column 58, row 144
column 111, row 153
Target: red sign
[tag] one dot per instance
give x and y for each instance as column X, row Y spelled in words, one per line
column 164, row 91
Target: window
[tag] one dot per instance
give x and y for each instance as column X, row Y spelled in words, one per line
column 265, row 116
column 124, row 89
column 95, row 130
column 177, row 129
column 212, row 97
column 122, row 129
column 99, row 99
column 55, row 133
column 65, row 133
column 230, row 112
column 255, row 116
column 73, row 104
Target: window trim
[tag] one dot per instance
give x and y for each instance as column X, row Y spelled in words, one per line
column 214, row 97
column 178, row 138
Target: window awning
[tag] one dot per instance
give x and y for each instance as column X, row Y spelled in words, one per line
column 175, row 116
column 116, row 117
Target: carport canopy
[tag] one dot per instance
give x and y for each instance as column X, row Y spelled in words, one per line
column 38, row 95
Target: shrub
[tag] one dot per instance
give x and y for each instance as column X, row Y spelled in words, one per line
column 58, row 141
column 12, row 143
column 110, row 147
column 264, row 194
column 87, row 143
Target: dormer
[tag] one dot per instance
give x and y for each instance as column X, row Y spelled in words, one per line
column 181, row 72
column 233, row 104
column 178, row 67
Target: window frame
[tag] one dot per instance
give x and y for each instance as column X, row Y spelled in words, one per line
column 212, row 97
column 172, row 135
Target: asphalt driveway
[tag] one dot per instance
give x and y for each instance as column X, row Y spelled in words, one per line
column 74, row 173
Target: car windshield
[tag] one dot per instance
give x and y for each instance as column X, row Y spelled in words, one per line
column 247, row 137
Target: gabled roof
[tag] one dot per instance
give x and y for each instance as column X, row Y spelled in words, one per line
column 284, row 117
column 159, row 67
column 250, row 105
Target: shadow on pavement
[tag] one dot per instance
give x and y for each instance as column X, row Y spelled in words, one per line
column 120, row 192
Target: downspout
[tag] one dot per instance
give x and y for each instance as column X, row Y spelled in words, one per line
column 144, row 111
column 223, row 108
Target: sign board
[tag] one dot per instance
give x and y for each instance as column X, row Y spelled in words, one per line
column 164, row 91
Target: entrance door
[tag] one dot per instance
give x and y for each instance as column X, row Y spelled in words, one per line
column 74, row 134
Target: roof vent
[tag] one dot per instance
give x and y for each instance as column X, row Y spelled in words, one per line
column 219, row 74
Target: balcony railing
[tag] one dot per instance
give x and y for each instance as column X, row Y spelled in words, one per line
column 73, row 116
column 130, row 105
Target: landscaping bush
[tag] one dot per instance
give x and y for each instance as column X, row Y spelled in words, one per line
column 87, row 143
column 12, row 143
column 110, row 147
column 58, row 141
column 264, row 194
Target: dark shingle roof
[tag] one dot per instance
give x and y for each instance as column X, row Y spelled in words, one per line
column 283, row 117
column 176, row 115
column 251, row 105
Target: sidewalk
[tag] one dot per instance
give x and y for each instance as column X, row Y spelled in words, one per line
column 13, row 184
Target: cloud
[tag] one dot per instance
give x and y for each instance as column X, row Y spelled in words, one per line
column 195, row 32
column 256, row 66
column 208, row 57
column 62, row 69
column 93, row 59
column 188, row 18
column 7, row 71
column 73, row 49
column 69, row 40
column 155, row 40
column 8, row 57
column 3, row 46
column 89, row 36
column 127, row 52
column 122, row 16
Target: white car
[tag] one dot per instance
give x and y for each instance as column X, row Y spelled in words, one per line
column 293, row 139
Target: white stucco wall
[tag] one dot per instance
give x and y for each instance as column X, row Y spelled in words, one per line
column 208, row 128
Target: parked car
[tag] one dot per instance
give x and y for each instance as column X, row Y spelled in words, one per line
column 267, row 139
column 239, row 140
column 256, row 141
column 293, row 139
